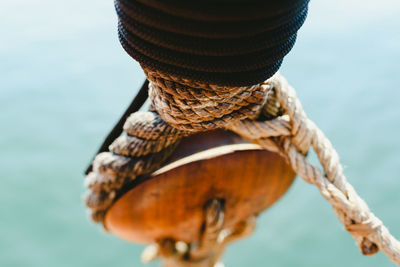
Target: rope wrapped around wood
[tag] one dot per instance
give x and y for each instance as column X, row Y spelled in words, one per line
column 147, row 141
column 183, row 107
column 206, row 62
column 369, row 232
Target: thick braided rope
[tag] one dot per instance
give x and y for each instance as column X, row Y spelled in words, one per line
column 200, row 107
column 147, row 142
column 286, row 129
column 149, row 139
column 291, row 134
column 292, row 138
column 240, row 44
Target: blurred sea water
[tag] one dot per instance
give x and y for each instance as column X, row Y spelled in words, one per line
column 65, row 80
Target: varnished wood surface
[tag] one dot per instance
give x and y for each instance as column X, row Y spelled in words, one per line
column 170, row 203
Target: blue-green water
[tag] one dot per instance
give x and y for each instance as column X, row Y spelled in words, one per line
column 64, row 81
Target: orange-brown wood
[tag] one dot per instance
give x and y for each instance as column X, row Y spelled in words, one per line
column 210, row 165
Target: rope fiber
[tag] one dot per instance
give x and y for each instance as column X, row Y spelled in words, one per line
column 220, row 75
column 289, row 133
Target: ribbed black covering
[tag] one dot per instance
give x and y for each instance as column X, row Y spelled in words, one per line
column 231, row 43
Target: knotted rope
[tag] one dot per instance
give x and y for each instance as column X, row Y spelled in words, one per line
column 150, row 138
column 291, row 142
column 148, row 142
column 205, row 61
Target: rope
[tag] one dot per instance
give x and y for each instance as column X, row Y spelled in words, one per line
column 140, row 151
column 369, row 232
column 206, row 62
column 218, row 10
column 277, row 123
column 239, row 44
column 185, row 109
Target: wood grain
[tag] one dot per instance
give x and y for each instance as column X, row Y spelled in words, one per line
column 216, row 164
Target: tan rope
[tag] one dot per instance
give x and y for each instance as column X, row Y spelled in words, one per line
column 184, row 106
column 148, row 142
column 363, row 225
column 200, row 107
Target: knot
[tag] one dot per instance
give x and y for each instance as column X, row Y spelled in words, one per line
column 289, row 104
column 146, row 143
column 364, row 228
column 192, row 107
column 185, row 106
column 368, row 247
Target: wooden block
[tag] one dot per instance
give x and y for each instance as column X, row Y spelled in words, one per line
column 210, row 165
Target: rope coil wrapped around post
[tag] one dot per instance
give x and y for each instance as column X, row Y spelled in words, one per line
column 235, row 44
column 186, row 98
column 290, row 134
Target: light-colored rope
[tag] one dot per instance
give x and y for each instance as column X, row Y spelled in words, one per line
column 292, row 142
column 147, row 142
column 268, row 114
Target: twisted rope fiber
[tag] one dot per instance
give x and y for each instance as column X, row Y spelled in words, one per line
column 186, row 98
column 369, row 232
column 190, row 113
column 148, row 140
column 290, row 133
column 138, row 152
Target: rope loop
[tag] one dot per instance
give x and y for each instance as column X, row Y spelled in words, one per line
column 268, row 114
column 191, row 109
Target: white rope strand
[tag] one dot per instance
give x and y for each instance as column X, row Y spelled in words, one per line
column 368, row 231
